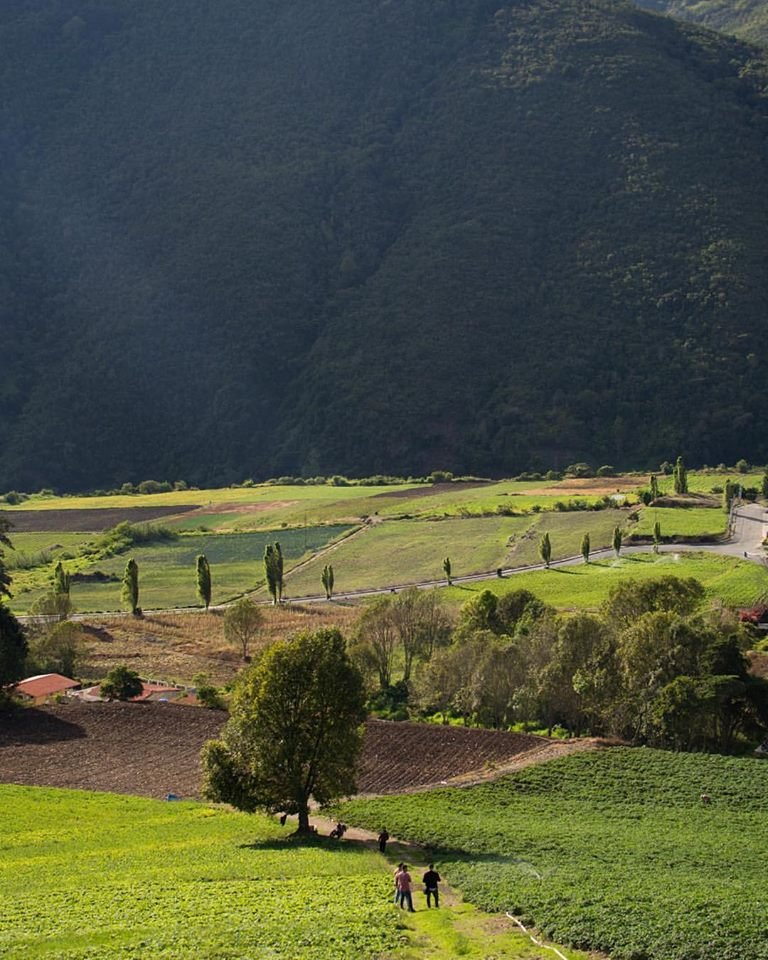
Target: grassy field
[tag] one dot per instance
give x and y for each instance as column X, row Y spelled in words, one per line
column 585, row 586
column 167, row 570
column 88, row 875
column 395, row 552
column 475, row 530
column 566, row 531
column 688, row 522
column 609, row 850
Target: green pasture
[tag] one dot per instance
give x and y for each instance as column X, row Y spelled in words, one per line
column 682, row 521
column 99, row 876
column 566, row 531
column 585, row 586
column 396, row 552
column 36, row 549
column 609, row 850
column 167, row 575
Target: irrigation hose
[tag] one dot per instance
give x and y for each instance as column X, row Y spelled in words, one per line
column 538, row 943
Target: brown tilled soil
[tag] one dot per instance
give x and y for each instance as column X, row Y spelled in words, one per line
column 151, row 749
column 428, row 490
column 88, row 520
column 404, row 756
column 148, row 749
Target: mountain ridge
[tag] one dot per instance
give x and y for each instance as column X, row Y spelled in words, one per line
column 371, row 237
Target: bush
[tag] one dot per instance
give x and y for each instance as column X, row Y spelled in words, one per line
column 154, row 486
column 121, row 684
column 440, row 476
column 741, row 466
column 606, row 470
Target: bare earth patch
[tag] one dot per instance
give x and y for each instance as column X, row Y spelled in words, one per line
column 91, row 520
column 151, row 749
column 597, row 486
column 241, row 507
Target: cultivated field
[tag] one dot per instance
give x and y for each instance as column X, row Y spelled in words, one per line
column 98, row 876
column 150, row 749
column 405, row 532
column 609, row 850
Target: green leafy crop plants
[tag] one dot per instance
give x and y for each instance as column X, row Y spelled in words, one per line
column 610, row 850
column 97, row 876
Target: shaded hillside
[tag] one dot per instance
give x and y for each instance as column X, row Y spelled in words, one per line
column 744, row 18
column 261, row 238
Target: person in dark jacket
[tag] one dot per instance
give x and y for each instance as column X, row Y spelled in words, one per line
column 430, row 880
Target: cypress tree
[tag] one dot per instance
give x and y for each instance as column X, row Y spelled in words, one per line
column 130, row 591
column 447, row 569
column 656, row 536
column 545, row 549
column 680, row 476
column 654, row 487
column 327, row 581
column 617, row 540
column 61, row 579
column 585, row 547
column 204, row 580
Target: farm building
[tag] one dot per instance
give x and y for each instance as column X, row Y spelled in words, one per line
column 44, row 687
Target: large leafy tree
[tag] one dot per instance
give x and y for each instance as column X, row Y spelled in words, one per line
column 294, row 730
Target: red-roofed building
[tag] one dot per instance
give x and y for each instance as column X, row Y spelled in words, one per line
column 44, row 687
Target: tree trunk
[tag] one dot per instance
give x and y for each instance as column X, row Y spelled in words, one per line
column 303, row 819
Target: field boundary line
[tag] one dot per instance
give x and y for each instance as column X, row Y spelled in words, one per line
column 538, row 943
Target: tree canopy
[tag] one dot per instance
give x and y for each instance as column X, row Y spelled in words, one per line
column 294, row 730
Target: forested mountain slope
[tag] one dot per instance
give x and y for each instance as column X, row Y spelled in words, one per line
column 258, row 237
column 744, row 18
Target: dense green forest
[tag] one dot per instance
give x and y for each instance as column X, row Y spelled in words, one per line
column 251, row 238
column 744, row 18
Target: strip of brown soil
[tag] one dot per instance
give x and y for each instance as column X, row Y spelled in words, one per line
column 428, row 490
column 151, row 749
column 89, row 520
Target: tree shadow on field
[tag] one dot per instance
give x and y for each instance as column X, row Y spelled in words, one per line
column 20, row 726
column 350, row 847
column 571, row 573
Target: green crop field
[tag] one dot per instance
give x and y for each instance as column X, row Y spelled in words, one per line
column 707, row 522
column 98, row 875
column 397, row 552
column 167, row 570
column 93, row 875
column 611, row 850
column 585, row 586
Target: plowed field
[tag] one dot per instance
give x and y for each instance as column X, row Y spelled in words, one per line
column 151, row 749
column 87, row 520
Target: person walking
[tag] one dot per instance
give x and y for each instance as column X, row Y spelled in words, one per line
column 398, row 895
column 383, row 837
column 430, row 880
column 404, row 884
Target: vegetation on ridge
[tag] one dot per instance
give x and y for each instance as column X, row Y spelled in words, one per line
column 491, row 235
